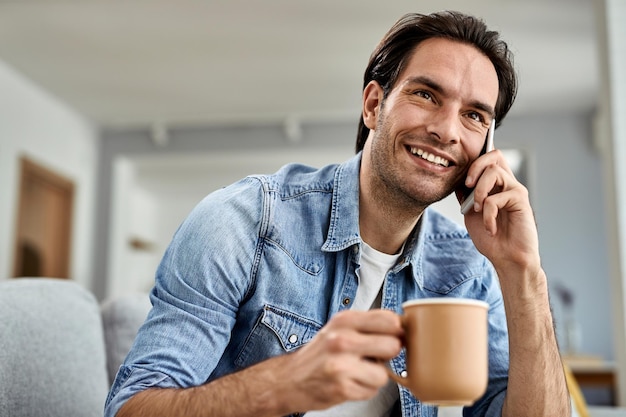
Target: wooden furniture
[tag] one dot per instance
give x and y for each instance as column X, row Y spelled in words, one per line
column 591, row 371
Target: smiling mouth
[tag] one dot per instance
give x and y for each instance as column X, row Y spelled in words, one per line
column 434, row 159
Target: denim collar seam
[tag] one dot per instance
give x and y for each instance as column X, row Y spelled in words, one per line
column 332, row 243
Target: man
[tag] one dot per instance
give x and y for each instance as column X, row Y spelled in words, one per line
column 266, row 302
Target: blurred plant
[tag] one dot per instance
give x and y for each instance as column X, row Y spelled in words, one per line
column 572, row 329
column 565, row 294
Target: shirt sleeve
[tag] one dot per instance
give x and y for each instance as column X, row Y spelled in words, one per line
column 490, row 405
column 204, row 275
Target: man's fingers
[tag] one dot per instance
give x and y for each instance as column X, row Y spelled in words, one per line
column 373, row 321
column 493, row 181
column 367, row 373
column 377, row 346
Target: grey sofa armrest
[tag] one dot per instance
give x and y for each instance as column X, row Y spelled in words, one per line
column 122, row 317
column 52, row 357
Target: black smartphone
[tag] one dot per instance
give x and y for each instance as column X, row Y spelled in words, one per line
column 468, row 193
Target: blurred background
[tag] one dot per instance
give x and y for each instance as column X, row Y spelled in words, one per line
column 117, row 117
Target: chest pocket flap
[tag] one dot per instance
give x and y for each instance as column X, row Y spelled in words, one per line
column 292, row 330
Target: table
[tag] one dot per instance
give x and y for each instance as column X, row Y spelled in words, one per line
column 603, row 375
column 593, row 372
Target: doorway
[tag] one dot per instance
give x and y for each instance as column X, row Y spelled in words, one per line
column 44, row 223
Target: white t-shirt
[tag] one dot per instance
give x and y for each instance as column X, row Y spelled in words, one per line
column 371, row 274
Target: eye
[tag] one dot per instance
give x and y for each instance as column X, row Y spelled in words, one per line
column 423, row 94
column 476, row 116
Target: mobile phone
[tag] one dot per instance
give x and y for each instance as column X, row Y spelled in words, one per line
column 468, row 193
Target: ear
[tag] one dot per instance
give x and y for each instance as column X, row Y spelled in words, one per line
column 372, row 99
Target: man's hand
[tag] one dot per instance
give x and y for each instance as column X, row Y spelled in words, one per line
column 501, row 224
column 345, row 360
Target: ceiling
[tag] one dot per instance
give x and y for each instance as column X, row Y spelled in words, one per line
column 138, row 63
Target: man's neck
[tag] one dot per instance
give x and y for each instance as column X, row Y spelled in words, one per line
column 383, row 233
column 384, row 224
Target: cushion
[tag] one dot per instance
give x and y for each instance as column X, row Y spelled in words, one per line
column 52, row 359
column 122, row 316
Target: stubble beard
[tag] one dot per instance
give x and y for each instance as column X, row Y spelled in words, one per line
column 391, row 188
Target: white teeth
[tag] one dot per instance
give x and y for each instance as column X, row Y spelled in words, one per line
column 430, row 157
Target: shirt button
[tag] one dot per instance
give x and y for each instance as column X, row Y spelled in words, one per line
column 346, row 301
column 355, row 249
column 293, row 338
column 404, row 374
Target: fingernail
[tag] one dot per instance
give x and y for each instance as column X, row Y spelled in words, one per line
column 476, row 207
column 468, row 180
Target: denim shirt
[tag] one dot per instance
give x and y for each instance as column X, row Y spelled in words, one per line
column 260, row 266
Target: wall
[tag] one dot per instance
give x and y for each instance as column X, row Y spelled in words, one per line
column 565, row 180
column 611, row 132
column 568, row 198
column 134, row 215
column 34, row 124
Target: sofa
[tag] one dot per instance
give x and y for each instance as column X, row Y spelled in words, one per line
column 60, row 348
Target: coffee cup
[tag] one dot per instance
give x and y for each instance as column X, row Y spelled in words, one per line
column 446, row 350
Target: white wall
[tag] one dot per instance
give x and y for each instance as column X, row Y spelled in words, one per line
column 134, row 215
column 36, row 125
column 611, row 137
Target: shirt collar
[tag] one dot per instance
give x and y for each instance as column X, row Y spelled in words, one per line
column 413, row 249
column 343, row 230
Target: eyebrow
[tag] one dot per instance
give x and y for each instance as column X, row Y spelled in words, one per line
column 435, row 86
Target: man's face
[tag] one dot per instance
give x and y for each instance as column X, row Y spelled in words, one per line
column 434, row 122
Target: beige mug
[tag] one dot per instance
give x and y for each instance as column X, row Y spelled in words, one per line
column 446, row 350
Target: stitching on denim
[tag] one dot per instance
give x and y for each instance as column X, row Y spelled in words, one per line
column 302, row 268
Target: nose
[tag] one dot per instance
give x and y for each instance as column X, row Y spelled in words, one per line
column 445, row 125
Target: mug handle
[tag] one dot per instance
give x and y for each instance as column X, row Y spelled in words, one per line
column 397, row 378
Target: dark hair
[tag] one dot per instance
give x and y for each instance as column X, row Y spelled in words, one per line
column 394, row 50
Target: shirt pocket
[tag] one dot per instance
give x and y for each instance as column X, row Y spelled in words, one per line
column 276, row 332
column 450, row 265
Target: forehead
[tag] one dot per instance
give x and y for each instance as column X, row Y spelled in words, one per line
column 459, row 67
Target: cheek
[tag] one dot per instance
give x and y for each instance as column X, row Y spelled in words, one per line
column 405, row 119
column 474, row 146
column 476, row 150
